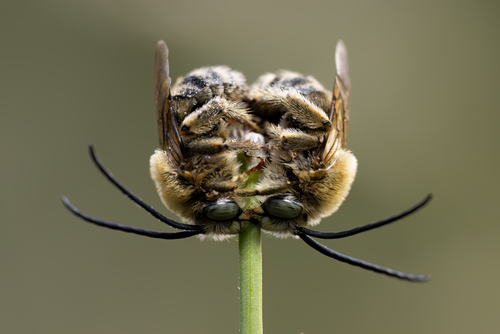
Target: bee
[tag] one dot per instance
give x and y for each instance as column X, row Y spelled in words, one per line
column 195, row 170
column 204, row 127
column 304, row 118
column 311, row 177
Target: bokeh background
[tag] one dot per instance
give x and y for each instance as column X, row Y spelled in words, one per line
column 424, row 118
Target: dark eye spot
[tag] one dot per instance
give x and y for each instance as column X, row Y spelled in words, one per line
column 282, row 208
column 224, row 210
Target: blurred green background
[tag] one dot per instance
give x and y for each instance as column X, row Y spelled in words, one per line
column 424, row 118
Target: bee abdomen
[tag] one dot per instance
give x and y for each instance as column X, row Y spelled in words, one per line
column 204, row 83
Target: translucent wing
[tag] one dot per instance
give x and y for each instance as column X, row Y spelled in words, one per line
column 168, row 129
column 339, row 112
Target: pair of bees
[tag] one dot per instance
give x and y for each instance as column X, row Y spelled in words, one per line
column 215, row 133
column 273, row 154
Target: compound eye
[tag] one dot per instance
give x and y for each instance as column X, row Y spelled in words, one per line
column 223, row 210
column 282, row 208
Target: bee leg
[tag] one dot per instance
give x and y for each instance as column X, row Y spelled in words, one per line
column 207, row 146
column 360, row 263
column 214, row 145
column 254, row 149
column 213, row 115
column 219, row 186
column 293, row 139
column 237, row 112
column 296, row 110
column 128, row 229
column 136, row 199
column 296, row 140
column 243, row 146
column 270, row 189
column 371, row 226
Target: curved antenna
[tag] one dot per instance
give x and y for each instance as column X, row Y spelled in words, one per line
column 125, row 228
column 360, row 263
column 137, row 200
column 371, row 226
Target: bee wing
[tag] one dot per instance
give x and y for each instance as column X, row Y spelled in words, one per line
column 339, row 112
column 168, row 129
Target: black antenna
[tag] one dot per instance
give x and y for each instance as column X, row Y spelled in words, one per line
column 360, row 263
column 125, row 228
column 187, row 230
column 371, row 226
column 306, row 234
column 137, row 200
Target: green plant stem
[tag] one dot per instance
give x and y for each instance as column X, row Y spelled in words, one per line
column 250, row 279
